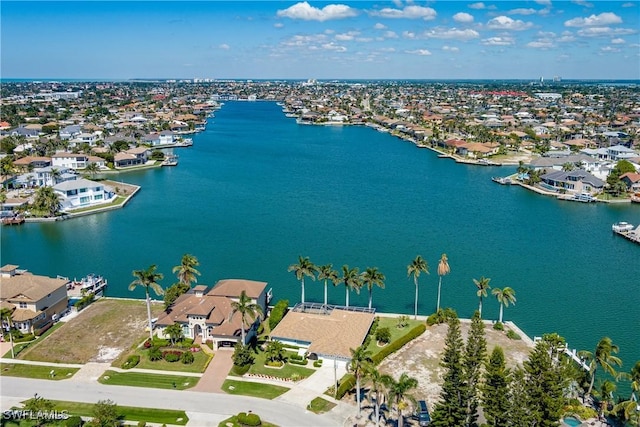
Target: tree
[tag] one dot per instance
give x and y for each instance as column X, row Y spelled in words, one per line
column 326, row 272
column 247, row 308
column 92, row 169
column 5, row 316
column 359, row 357
column 443, row 270
column 351, row 280
column 605, row 396
column 603, row 357
column 451, row 410
column 505, row 297
column 148, row 279
column 38, row 404
column 629, row 410
column 175, row 333
column 483, row 286
column 474, row 358
column 495, row 398
column 414, row 269
column 371, row 277
column 105, row 414
column 304, row 267
column 47, row 201
column 378, row 382
column 274, row 351
column 544, row 383
column 520, row 413
column 399, row 394
column 186, row 271
column 173, row 292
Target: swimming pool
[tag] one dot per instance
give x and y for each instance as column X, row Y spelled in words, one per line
column 571, row 421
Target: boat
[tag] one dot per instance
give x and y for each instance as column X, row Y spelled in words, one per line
column 635, row 198
column 16, row 220
column 170, row 160
column 622, row 227
column 583, row 197
column 90, row 284
column 501, row 180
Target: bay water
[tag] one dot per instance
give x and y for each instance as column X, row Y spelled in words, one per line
column 256, row 190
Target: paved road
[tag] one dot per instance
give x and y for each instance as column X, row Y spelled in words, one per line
column 207, row 409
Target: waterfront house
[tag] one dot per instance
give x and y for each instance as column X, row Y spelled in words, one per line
column 69, row 160
column 632, row 181
column 47, row 176
column 162, row 138
column 82, row 193
column 575, row 182
column 26, row 132
column 131, row 157
column 31, row 162
column 207, row 314
column 36, row 301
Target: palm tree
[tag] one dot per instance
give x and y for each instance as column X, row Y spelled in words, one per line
column 175, row 332
column 46, row 200
column 371, row 277
column 148, row 279
column 92, row 169
column 304, row 267
column 443, row 270
column 629, row 409
column 603, row 357
column 505, row 297
column 377, row 381
column 399, row 394
column 5, row 315
column 186, row 271
column 326, row 272
column 247, row 308
column 359, row 357
column 55, row 175
column 483, row 287
column 351, row 280
column 414, row 269
column 605, row 395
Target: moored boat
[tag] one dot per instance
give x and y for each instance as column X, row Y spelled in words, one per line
column 501, row 180
column 90, row 284
column 622, row 227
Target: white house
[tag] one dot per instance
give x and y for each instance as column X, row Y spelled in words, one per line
column 82, row 193
column 69, row 160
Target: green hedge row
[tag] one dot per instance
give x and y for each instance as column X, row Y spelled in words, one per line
column 277, row 313
column 398, row 344
column 298, row 361
column 348, row 382
column 250, row 419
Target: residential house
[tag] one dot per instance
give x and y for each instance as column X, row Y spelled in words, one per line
column 69, row 160
column 26, row 132
column 162, row 138
column 31, row 162
column 632, row 180
column 132, row 157
column 575, row 182
column 70, row 132
column 208, row 314
column 85, row 138
column 82, row 193
column 35, row 301
column 47, row 176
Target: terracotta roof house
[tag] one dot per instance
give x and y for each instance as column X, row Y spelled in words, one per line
column 35, row 300
column 206, row 314
column 632, row 180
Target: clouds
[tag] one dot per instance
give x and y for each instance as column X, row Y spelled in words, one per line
column 408, row 12
column 306, row 12
column 419, row 52
column 505, row 23
column 463, row 18
column 452, row 33
column 603, row 19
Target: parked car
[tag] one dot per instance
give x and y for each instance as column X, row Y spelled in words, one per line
column 424, row 418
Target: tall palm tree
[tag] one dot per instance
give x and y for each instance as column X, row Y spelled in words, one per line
column 304, row 267
column 351, row 280
column 505, row 297
column 247, row 308
column 483, row 287
column 399, row 394
column 55, row 175
column 359, row 357
column 186, row 271
column 378, row 382
column 605, row 396
column 629, row 409
column 5, row 315
column 372, row 277
column 326, row 272
column 92, row 169
column 414, row 269
column 603, row 357
column 443, row 270
column 47, row 200
column 148, row 279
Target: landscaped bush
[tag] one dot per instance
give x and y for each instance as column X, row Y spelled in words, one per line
column 240, row 370
column 295, row 357
column 84, row 301
column 73, row 421
column 512, row 335
column 302, row 362
column 274, row 363
column 498, row 326
column 441, row 316
column 317, row 363
column 160, row 342
column 372, row 331
column 242, row 356
column 171, row 355
column 250, row 419
column 383, row 335
column 185, row 343
column 187, row 358
column 142, row 424
column 154, row 353
column 277, row 313
column 398, row 344
column 131, row 362
column 147, row 344
column 209, row 344
column 347, row 383
column 23, row 338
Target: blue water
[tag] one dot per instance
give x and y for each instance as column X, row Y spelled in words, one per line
column 572, row 422
column 256, row 190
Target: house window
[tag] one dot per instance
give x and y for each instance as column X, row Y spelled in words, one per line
column 85, row 199
column 97, row 197
column 23, row 305
column 83, row 190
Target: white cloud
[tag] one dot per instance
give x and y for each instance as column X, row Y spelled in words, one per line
column 408, row 12
column 618, row 41
column 453, row 33
column 420, row 52
column 609, row 49
column 463, row 17
column 450, row 48
column 379, row 26
column 478, row 6
column 349, row 36
column 630, row 4
column 278, row 25
column 334, row 47
column 390, row 35
column 387, row 49
column 541, row 44
column 307, row 12
column 606, row 18
column 566, row 37
column 299, row 40
column 544, row 2
column 583, row 3
column 506, row 23
column 522, row 11
column 408, row 35
column 605, row 32
column 498, row 41
column 224, row 46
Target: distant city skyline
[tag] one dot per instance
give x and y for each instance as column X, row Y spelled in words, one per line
column 321, row 40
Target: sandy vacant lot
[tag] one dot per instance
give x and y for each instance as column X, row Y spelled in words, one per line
column 97, row 334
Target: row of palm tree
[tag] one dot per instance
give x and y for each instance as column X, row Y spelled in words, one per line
column 505, row 296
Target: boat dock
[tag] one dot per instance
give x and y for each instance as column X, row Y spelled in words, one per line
column 633, row 236
column 17, row 220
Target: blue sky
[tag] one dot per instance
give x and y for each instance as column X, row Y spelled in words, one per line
column 324, row 40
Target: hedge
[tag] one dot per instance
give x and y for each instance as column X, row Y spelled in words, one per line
column 348, row 382
column 249, row 419
column 131, row 361
column 277, row 313
column 298, row 361
column 398, row 344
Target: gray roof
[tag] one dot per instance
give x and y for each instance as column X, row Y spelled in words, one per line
column 580, row 174
column 76, row 184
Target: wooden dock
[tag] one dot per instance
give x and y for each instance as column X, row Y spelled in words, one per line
column 633, row 235
column 13, row 221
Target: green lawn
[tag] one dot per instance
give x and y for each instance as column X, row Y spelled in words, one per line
column 138, row 379
column 117, row 202
column 200, row 363
column 36, row 371
column 245, row 388
column 233, row 422
column 391, row 322
column 129, row 413
column 320, row 405
column 285, row 372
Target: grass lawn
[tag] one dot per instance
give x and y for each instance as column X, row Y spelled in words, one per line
column 233, row 422
column 138, row 379
column 285, row 372
column 105, row 328
column 264, row 391
column 129, row 413
column 391, row 323
column 34, row 371
column 200, row 362
column 117, row 202
column 320, row 405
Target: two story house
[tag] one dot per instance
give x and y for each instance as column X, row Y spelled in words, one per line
column 82, row 193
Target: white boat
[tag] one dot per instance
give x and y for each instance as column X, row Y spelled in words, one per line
column 622, row 227
column 171, row 160
column 90, row 284
column 582, row 197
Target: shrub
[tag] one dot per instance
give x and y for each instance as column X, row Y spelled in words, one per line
column 498, row 326
column 398, row 344
column 160, row 342
column 441, row 316
column 403, row 321
column 347, row 383
column 317, row 363
column 240, row 370
column 142, row 424
column 295, row 357
column 172, row 355
column 242, row 355
column 147, row 344
column 131, row 362
column 23, row 338
column 274, row 363
column 154, row 353
column 73, row 421
column 383, row 335
column 277, row 313
column 209, row 344
column 187, row 358
column 512, row 335
column 250, row 419
column 298, row 362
